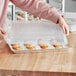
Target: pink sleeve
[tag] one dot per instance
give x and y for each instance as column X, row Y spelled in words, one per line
column 38, row 8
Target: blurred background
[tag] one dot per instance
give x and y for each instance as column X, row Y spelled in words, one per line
column 15, row 13
column 67, row 8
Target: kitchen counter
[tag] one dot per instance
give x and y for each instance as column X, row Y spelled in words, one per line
column 61, row 63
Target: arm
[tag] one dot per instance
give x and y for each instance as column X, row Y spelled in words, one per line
column 38, row 8
column 42, row 10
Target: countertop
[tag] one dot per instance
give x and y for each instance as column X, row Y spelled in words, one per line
column 49, row 63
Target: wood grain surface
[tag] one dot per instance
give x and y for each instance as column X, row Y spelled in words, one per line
column 58, row 63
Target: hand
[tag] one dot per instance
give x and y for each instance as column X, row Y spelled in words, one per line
column 2, row 33
column 63, row 25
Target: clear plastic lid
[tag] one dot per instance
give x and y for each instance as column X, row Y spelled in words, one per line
column 23, row 31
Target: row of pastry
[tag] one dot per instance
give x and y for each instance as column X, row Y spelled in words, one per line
column 41, row 44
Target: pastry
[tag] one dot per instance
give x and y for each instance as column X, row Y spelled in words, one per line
column 19, row 18
column 29, row 45
column 14, row 44
column 42, row 44
column 20, row 14
column 30, row 18
column 57, row 45
column 16, row 47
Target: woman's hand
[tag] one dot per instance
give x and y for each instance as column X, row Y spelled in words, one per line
column 2, row 33
column 63, row 25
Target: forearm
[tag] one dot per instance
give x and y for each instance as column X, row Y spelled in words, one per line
column 38, row 8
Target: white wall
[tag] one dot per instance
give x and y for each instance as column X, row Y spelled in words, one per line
column 56, row 3
column 70, row 5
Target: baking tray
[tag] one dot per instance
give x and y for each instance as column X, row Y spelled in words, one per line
column 22, row 32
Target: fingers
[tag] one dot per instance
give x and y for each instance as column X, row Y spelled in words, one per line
column 1, row 36
column 63, row 29
column 2, row 31
column 66, row 30
column 63, row 25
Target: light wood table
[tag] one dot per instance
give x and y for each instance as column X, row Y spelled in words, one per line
column 49, row 63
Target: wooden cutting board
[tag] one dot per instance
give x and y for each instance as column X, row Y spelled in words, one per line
column 39, row 64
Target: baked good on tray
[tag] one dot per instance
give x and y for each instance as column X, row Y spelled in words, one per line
column 42, row 44
column 29, row 45
column 56, row 44
column 16, row 46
